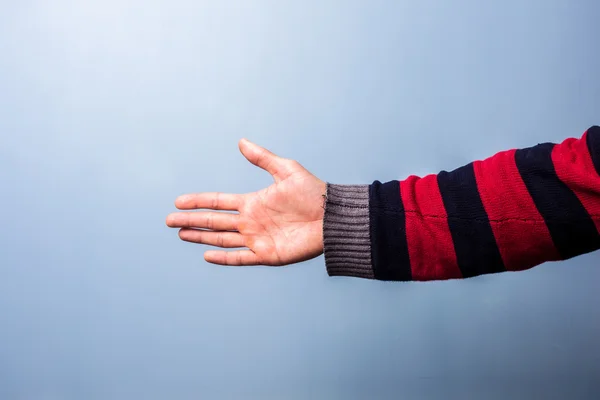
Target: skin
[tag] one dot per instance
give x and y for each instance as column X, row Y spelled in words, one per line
column 278, row 225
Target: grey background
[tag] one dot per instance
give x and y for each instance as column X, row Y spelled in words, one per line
column 110, row 109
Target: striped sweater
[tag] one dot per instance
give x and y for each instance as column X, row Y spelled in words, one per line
column 510, row 212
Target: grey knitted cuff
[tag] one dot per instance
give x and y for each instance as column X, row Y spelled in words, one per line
column 346, row 233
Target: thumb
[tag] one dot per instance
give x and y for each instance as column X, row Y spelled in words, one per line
column 263, row 158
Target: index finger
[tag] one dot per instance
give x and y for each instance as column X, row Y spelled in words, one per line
column 210, row 200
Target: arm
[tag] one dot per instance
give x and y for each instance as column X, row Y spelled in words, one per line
column 510, row 212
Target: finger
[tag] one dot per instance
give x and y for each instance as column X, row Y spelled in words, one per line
column 213, row 200
column 263, row 158
column 220, row 239
column 206, row 220
column 239, row 257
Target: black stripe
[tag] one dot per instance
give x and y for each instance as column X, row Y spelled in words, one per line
column 474, row 242
column 593, row 144
column 389, row 248
column 572, row 229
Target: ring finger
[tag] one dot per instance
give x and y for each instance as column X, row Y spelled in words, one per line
column 219, row 239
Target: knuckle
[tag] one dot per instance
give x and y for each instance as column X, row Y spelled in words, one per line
column 293, row 164
column 260, row 156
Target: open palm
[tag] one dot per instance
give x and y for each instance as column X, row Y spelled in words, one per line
column 281, row 224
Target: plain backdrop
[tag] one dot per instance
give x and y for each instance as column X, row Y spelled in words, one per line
column 111, row 109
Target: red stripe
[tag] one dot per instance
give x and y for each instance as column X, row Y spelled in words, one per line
column 522, row 236
column 430, row 246
column 574, row 166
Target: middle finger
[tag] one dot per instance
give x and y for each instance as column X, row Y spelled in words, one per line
column 206, row 220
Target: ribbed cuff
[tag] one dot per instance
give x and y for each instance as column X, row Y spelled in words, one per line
column 346, row 233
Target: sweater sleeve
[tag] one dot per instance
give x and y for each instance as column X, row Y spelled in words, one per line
column 510, row 212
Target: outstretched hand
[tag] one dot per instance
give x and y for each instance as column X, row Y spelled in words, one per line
column 281, row 224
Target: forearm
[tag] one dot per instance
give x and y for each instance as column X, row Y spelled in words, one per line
column 512, row 211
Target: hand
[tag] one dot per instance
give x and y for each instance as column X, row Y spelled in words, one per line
column 281, row 224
